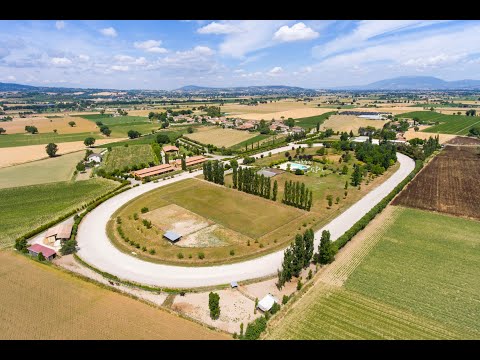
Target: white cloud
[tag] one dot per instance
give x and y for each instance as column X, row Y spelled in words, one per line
column 84, row 57
column 150, row 46
column 110, row 31
column 60, row 24
column 120, row 67
column 61, row 61
column 218, row 28
column 124, row 58
column 237, row 71
column 277, row 70
column 297, row 32
column 9, row 78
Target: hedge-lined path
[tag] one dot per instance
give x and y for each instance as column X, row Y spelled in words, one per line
column 97, row 250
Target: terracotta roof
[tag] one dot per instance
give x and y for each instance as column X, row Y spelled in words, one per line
column 61, row 231
column 37, row 248
column 154, row 170
column 167, row 148
column 195, row 160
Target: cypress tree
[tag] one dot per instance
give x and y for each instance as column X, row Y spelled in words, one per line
column 308, row 238
column 205, row 171
column 221, row 174
column 235, row 177
column 326, row 250
column 240, row 179
column 298, row 254
column 285, row 192
column 269, row 188
column 302, row 196
column 275, row 190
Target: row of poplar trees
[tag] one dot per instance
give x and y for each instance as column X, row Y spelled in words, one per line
column 298, row 195
column 296, row 257
column 299, row 254
column 247, row 180
column 213, row 171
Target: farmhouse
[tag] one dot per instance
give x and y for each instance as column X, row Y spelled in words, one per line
column 36, row 249
column 60, row 232
column 297, row 130
column 246, row 126
column 170, row 149
column 172, row 236
column 276, row 126
column 154, row 170
column 95, row 158
column 266, row 303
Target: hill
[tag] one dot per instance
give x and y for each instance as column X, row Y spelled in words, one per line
column 416, row 83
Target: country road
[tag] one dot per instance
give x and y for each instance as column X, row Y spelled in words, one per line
column 97, row 250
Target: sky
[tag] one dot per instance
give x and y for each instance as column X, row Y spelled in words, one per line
column 168, row 54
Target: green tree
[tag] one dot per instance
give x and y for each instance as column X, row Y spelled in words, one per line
column 51, row 149
column 162, row 139
column 133, row 134
column 329, row 200
column 308, row 239
column 298, row 255
column 167, row 158
column 235, row 177
column 357, row 176
column 80, row 166
column 71, row 123
column 345, row 170
column 68, row 247
column 2, row 131
column 89, row 141
column 275, row 190
column 214, row 305
column 40, row 257
column 184, row 162
column 326, row 249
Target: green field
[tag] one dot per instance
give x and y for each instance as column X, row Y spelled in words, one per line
column 148, row 139
column 254, row 140
column 122, row 156
column 449, row 124
column 413, row 284
column 110, row 120
column 55, row 169
column 12, row 140
column 311, row 122
column 22, row 209
column 120, row 125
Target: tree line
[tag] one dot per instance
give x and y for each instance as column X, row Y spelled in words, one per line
column 214, row 171
column 300, row 253
column 247, row 180
column 298, row 195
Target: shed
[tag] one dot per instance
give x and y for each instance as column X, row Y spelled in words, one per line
column 172, row 236
column 233, row 284
column 95, row 157
column 266, row 303
column 36, row 249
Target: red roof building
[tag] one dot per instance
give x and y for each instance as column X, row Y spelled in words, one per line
column 36, row 249
column 154, row 170
column 169, row 148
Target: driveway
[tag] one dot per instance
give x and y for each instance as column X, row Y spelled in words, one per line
column 97, row 250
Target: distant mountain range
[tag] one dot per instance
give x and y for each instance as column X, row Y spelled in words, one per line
column 268, row 89
column 416, row 83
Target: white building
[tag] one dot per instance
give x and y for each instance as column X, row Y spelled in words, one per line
column 266, row 303
column 95, row 158
column 365, row 139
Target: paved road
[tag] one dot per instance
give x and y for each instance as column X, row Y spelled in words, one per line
column 97, row 250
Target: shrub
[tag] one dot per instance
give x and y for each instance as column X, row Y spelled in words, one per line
column 144, row 210
column 275, row 308
column 119, row 220
column 255, row 328
column 40, row 257
column 214, row 305
column 152, row 251
column 180, row 255
column 201, row 255
column 299, row 284
column 299, row 172
column 144, row 248
column 232, row 252
column 135, row 216
column 285, row 299
column 147, row 223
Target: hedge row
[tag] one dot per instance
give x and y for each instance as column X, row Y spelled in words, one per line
column 21, row 242
column 363, row 222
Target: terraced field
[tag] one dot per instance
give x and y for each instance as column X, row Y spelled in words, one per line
column 377, row 286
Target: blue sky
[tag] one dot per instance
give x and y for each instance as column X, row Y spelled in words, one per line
column 169, row 54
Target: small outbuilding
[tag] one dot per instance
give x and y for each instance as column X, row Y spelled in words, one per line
column 36, row 249
column 170, row 149
column 95, row 158
column 266, row 303
column 172, row 236
column 234, row 284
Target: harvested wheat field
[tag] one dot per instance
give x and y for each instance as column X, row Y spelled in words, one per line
column 412, row 134
column 220, row 137
column 464, row 141
column 349, row 123
column 448, row 184
column 270, row 107
column 38, row 301
column 21, row 154
column 47, row 125
column 299, row 112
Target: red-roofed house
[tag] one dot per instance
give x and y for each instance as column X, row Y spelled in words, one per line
column 36, row 249
column 170, row 149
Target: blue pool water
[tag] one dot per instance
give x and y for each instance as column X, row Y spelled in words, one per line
column 295, row 166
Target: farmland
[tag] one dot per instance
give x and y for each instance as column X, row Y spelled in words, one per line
column 148, row 139
column 387, row 269
column 449, row 184
column 41, row 302
column 220, row 137
column 219, row 213
column 448, row 124
column 297, row 112
column 121, row 156
column 12, row 140
column 47, row 125
column 55, row 169
column 349, row 123
column 22, row 209
column 311, row 122
column 259, row 139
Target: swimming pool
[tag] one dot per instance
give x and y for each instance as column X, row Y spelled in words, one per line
column 294, row 166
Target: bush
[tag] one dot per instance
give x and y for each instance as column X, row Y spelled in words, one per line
column 152, row 251
column 180, row 255
column 214, row 305
column 232, row 252
column 285, row 299
column 135, row 216
column 68, row 247
column 201, row 255
column 147, row 223
column 40, row 257
column 299, row 172
column 275, row 308
column 255, row 328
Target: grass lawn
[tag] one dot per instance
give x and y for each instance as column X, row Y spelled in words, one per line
column 24, row 208
column 122, row 156
column 400, row 282
column 449, row 124
column 311, row 122
column 55, row 169
column 83, row 310
column 241, row 217
column 11, row 140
